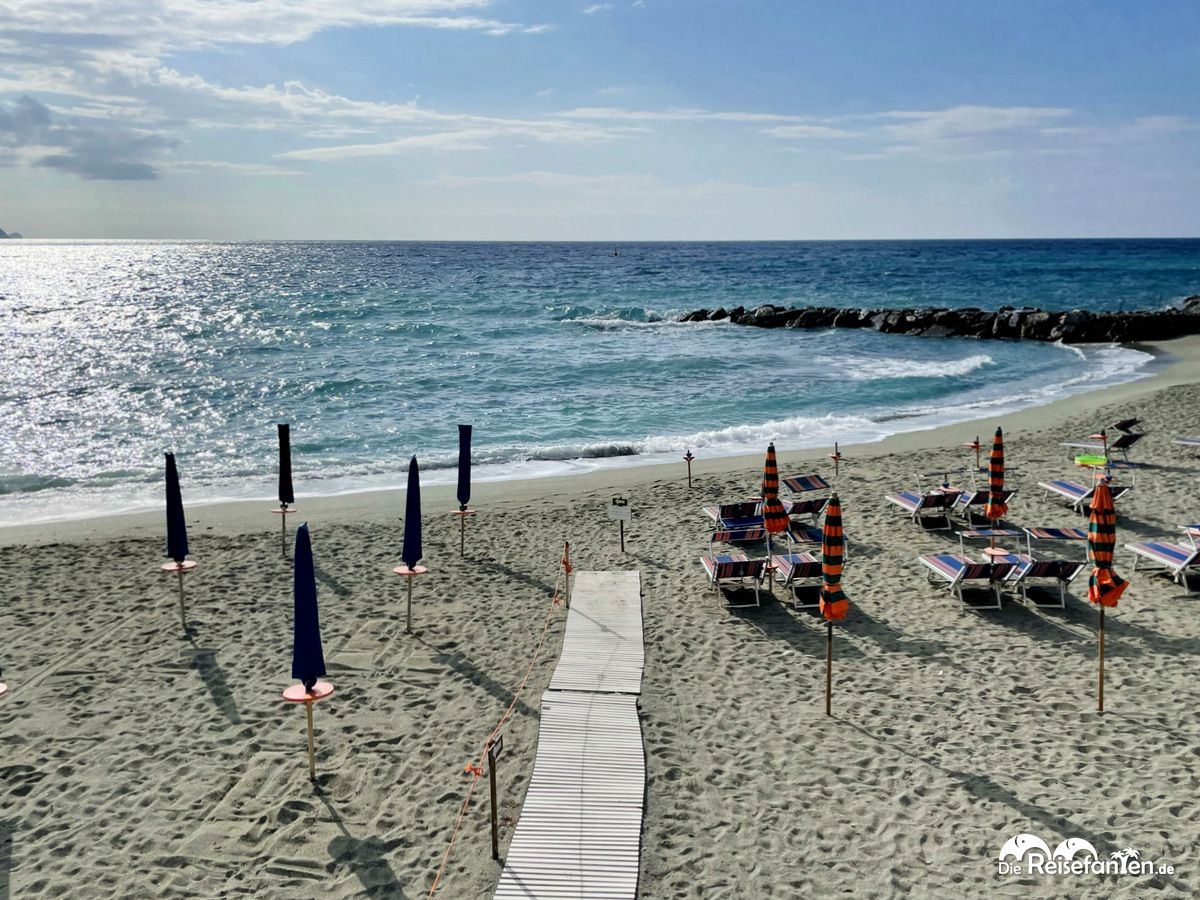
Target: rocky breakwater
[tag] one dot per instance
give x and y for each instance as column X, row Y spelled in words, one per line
column 1076, row 326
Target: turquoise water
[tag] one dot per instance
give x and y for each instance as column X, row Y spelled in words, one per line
column 563, row 356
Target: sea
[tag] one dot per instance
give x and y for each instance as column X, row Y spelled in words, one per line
column 565, row 357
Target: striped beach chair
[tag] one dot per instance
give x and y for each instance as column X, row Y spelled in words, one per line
column 1026, row 568
column 957, row 570
column 1080, row 496
column 741, row 514
column 736, row 536
column 931, row 507
column 793, row 568
column 1175, row 559
column 1123, row 443
column 812, row 508
column 966, row 501
column 805, row 484
column 728, row 568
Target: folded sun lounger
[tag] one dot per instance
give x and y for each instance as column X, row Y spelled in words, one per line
column 1079, row 495
column 957, row 570
column 752, row 535
column 1175, row 559
column 727, row 568
column 933, row 506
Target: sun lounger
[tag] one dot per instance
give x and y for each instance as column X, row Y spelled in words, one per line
column 968, row 499
column 1193, row 442
column 1079, row 495
column 956, row 570
column 798, row 533
column 736, row 536
column 727, row 568
column 1123, row 442
column 921, row 507
column 1025, row 568
column 812, row 508
column 1126, row 425
column 805, row 484
column 742, row 514
column 1175, row 559
column 791, row 568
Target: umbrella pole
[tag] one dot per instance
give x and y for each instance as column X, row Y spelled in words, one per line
column 462, row 535
column 408, row 612
column 828, row 667
column 283, row 531
column 312, row 768
column 182, row 612
column 1100, row 695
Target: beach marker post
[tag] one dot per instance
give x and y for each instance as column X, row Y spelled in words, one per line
column 976, row 446
column 621, row 511
column 687, row 458
column 836, row 456
column 494, row 748
column 565, row 562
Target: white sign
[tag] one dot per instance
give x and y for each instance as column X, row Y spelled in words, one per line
column 620, row 511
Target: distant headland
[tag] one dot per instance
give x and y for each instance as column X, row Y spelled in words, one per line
column 4, row 235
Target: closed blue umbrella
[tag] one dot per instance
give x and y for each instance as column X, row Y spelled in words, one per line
column 286, row 495
column 177, row 542
column 308, row 663
column 411, row 554
column 464, row 466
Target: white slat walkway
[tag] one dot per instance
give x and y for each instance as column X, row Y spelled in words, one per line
column 579, row 835
column 602, row 646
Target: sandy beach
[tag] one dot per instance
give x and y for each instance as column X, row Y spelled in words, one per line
column 137, row 761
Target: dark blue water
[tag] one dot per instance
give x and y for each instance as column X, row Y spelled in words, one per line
column 563, row 356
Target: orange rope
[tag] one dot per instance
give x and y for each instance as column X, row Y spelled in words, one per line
column 476, row 769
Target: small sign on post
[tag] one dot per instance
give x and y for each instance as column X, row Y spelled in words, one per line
column 495, row 748
column 687, row 458
column 621, row 511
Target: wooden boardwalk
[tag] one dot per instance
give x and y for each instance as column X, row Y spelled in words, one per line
column 602, row 646
column 580, row 831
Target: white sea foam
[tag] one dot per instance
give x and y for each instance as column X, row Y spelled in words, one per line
column 867, row 368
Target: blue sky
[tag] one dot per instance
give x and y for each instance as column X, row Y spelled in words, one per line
column 631, row 119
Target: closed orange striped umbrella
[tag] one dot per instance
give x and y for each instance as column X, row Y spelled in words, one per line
column 1104, row 586
column 775, row 517
column 996, row 508
column 834, row 604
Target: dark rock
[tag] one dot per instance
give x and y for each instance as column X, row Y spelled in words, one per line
column 1075, row 326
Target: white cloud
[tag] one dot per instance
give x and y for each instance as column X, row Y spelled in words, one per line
column 235, row 168
column 596, row 7
column 445, row 140
column 970, row 121
column 809, row 131
column 675, row 115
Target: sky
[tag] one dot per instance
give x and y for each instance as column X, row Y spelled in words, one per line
column 622, row 120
